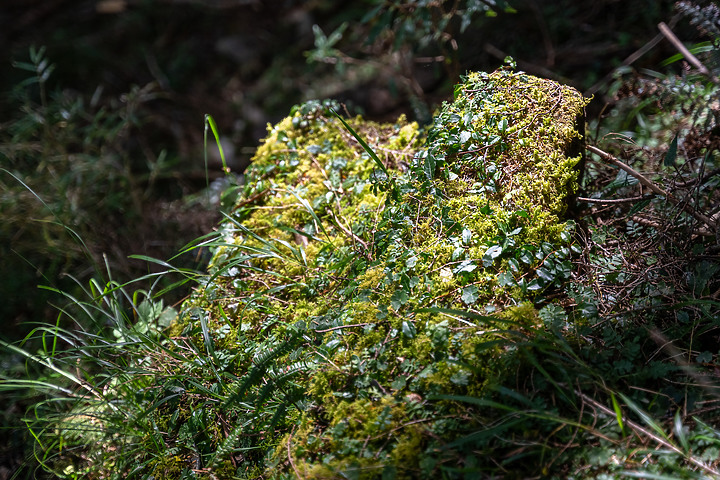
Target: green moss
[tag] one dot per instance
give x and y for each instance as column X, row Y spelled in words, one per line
column 169, row 467
column 408, row 452
column 325, row 269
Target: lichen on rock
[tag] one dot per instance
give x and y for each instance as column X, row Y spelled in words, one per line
column 359, row 302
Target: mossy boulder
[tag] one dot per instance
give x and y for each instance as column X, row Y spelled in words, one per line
column 359, row 314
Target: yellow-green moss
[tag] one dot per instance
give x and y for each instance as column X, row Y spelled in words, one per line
column 329, row 260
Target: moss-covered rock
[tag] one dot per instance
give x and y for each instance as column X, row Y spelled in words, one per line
column 353, row 303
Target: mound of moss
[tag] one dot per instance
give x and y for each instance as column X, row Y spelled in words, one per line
column 359, row 316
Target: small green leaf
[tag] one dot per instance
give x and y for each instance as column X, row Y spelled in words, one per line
column 470, row 294
column 398, row 299
column 429, row 165
column 148, row 311
column 408, row 329
column 466, row 236
column 411, row 262
column 554, row 316
column 503, row 126
column 639, row 206
column 545, row 274
column 457, row 90
column 460, row 378
column 505, row 279
column 167, row 317
column 399, row 383
column 526, row 256
column 466, row 266
column 704, row 357
column 491, row 254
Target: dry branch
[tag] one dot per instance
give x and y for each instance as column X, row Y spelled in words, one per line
column 692, row 59
column 710, row 223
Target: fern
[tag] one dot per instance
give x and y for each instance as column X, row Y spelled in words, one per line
column 267, row 409
column 261, row 364
column 230, row 443
column 277, row 383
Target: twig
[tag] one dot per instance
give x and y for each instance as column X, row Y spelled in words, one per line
column 692, row 59
column 657, row 190
column 606, row 201
column 698, row 181
column 292, row 464
column 348, row 232
column 341, row 327
column 623, row 166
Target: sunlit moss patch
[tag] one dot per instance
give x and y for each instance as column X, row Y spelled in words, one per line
column 354, row 305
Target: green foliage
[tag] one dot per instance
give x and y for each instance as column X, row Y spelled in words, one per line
column 323, row 270
column 490, row 145
column 94, row 375
column 380, row 307
column 646, row 286
column 668, row 126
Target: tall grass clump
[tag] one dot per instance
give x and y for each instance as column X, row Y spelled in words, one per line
column 75, row 184
column 91, row 376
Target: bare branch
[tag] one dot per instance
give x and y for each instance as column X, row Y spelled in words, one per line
column 692, row 59
column 657, row 190
column 607, row 201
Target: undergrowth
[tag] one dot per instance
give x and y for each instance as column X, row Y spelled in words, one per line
column 78, row 188
column 359, row 321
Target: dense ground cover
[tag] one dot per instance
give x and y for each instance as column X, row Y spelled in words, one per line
column 611, row 333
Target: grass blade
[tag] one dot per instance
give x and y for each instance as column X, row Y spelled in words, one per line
column 618, row 413
column 680, row 433
column 364, row 145
column 209, row 120
column 647, row 420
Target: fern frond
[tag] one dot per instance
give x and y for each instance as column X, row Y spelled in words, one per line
column 261, row 364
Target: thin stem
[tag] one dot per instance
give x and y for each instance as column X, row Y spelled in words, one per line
column 692, row 59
